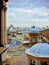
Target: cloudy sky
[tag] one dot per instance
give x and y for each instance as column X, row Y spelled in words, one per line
column 28, row 12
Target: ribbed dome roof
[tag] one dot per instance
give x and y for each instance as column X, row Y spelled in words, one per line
column 13, row 42
column 39, row 50
column 33, row 30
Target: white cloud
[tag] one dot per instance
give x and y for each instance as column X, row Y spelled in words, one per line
column 13, row 15
column 23, row 16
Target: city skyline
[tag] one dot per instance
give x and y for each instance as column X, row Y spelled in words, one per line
column 28, row 13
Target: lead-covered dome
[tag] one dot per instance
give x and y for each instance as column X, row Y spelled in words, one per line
column 33, row 30
column 39, row 50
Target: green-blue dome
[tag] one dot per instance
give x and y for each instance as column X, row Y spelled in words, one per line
column 33, row 30
column 39, row 50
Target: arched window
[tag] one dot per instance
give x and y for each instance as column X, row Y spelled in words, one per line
column 33, row 39
column 44, row 63
column 32, row 62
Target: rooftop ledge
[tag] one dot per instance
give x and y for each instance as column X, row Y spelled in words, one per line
column 2, row 49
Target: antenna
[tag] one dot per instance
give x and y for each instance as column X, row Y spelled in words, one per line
column 34, row 21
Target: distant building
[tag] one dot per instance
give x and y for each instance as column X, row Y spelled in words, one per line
column 45, row 35
column 12, row 31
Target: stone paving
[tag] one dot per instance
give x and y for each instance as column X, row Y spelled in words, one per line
column 19, row 57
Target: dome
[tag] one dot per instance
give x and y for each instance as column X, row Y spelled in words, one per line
column 33, row 30
column 13, row 42
column 39, row 50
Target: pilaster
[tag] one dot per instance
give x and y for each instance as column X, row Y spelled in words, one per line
column 28, row 60
column 37, row 62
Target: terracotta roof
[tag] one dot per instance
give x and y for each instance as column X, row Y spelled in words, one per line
column 45, row 33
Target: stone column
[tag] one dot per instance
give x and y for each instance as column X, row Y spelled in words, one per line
column 5, row 30
column 30, row 41
column 36, row 39
column 2, row 25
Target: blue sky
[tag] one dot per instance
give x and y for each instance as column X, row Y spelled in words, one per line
column 28, row 12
